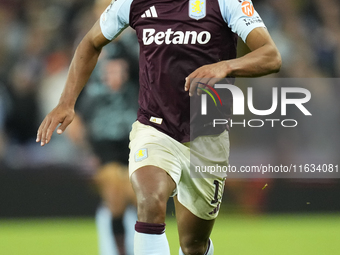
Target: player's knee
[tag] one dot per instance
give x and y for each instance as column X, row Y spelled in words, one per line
column 198, row 248
column 151, row 208
column 194, row 248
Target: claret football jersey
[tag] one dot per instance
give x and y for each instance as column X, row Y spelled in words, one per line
column 176, row 37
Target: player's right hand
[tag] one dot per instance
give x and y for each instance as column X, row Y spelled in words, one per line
column 63, row 115
column 207, row 74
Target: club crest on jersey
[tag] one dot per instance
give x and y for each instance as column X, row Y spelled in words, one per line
column 197, row 9
column 141, row 154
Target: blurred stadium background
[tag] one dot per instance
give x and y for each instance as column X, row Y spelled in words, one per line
column 47, row 196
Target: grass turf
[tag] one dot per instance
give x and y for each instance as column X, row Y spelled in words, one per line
column 262, row 235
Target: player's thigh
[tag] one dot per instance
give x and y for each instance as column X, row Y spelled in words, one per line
column 152, row 186
column 193, row 231
column 150, row 180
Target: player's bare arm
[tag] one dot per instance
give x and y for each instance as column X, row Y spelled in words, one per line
column 82, row 65
column 263, row 59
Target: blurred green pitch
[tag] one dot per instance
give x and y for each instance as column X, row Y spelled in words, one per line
column 262, row 235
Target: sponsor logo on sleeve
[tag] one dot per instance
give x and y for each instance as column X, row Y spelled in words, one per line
column 248, row 8
column 253, row 20
column 107, row 10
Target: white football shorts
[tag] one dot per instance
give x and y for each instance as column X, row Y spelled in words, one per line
column 198, row 190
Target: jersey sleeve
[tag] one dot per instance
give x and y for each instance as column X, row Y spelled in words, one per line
column 115, row 18
column 240, row 16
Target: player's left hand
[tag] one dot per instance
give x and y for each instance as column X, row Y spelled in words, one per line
column 207, row 74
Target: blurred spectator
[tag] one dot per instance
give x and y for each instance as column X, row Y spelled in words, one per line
column 4, row 110
column 106, row 110
column 22, row 121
